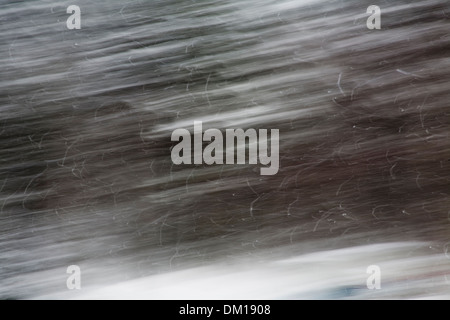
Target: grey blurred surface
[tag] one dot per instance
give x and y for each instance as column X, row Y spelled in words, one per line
column 86, row 176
